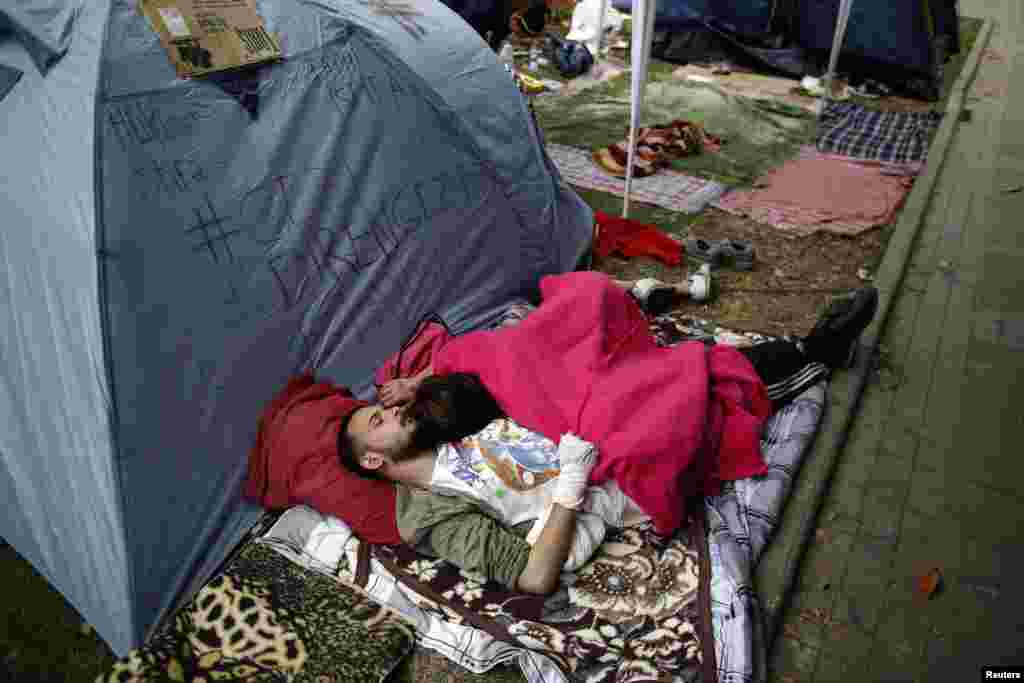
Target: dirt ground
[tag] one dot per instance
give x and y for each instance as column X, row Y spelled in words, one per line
column 792, row 280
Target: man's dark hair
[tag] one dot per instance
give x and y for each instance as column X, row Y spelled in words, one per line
column 450, row 407
column 445, row 408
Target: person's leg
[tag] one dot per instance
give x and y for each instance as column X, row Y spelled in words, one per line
column 785, row 369
column 656, row 297
column 789, row 367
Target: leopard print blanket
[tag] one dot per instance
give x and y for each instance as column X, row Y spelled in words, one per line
column 265, row 618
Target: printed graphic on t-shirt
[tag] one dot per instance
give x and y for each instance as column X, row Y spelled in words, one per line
column 503, row 457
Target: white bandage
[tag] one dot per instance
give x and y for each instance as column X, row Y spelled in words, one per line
column 576, row 458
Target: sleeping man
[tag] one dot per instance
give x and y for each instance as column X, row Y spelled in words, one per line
column 516, row 449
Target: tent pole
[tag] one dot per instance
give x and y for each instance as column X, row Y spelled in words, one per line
column 837, row 45
column 640, row 51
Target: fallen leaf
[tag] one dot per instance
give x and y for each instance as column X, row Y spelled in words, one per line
column 791, row 631
column 823, row 536
column 839, row 631
column 1013, row 189
column 930, row 583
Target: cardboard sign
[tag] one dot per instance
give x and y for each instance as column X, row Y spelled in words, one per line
column 204, row 36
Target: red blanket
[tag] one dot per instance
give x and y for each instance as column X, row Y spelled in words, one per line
column 669, row 422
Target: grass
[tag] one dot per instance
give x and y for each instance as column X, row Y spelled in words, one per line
column 43, row 639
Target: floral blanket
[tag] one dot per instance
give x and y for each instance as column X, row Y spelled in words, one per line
column 630, row 614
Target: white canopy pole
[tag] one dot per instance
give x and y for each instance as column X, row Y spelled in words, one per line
column 640, row 52
column 837, row 44
column 601, row 30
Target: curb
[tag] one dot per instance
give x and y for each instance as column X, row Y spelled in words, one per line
column 888, row 280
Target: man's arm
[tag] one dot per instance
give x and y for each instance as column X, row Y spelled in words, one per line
column 478, row 543
column 549, row 553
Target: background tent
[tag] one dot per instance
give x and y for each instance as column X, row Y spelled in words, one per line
column 901, row 43
column 173, row 251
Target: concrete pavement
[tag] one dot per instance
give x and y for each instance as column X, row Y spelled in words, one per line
column 932, row 475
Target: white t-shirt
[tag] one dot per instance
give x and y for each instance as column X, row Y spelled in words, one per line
column 512, row 471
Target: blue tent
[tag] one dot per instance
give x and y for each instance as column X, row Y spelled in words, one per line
column 173, row 251
column 885, row 40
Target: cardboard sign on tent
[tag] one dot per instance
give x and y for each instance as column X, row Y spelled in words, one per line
column 174, row 250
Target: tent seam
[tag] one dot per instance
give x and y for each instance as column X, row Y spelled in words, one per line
column 103, row 255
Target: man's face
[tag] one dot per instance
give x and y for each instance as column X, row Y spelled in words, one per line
column 382, row 431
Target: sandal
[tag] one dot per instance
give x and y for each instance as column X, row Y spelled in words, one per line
column 614, row 162
column 698, row 135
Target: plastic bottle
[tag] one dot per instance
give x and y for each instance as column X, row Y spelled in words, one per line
column 534, row 56
column 507, row 55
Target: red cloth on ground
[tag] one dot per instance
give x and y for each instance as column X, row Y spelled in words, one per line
column 295, row 461
column 630, row 238
column 669, row 422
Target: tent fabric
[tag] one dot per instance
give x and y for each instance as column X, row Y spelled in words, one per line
column 173, row 251
column 889, row 41
column 43, row 27
column 896, row 33
column 9, row 78
column 743, row 17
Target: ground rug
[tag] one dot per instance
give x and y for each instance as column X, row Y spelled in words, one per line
column 668, row 188
column 757, row 134
column 895, row 137
column 826, row 192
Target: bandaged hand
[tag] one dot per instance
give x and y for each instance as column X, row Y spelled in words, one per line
column 576, row 459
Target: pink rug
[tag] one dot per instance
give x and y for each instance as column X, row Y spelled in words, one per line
column 826, row 192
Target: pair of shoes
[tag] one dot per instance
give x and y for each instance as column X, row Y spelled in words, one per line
column 737, row 253
column 832, row 341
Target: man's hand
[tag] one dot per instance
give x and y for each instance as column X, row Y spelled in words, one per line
column 397, row 392
column 576, row 459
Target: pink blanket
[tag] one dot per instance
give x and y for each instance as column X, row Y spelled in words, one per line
column 825, row 192
column 669, row 422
